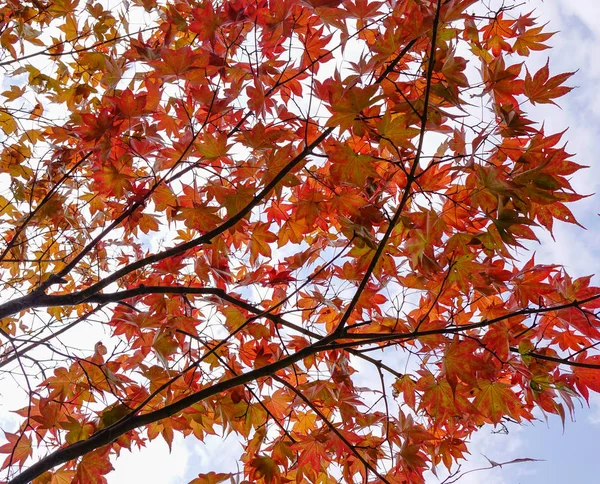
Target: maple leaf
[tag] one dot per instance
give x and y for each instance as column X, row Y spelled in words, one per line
column 494, row 400
column 210, row 478
column 7, row 122
column 453, row 70
column 129, row 105
column 176, row 63
column 95, row 127
column 312, row 453
column 92, row 468
column 495, row 33
column 503, row 81
column 199, row 216
column 113, row 179
column 439, row 400
column 349, row 167
column 544, row 89
column 258, row 99
column 61, row 476
column 459, row 362
column 260, row 240
column 587, row 378
column 266, row 468
column 406, row 386
column 323, row 3
column 348, row 105
column 412, row 456
column 206, row 21
column 18, row 447
column 532, row 39
column 213, row 146
column 14, row 93
column 396, row 132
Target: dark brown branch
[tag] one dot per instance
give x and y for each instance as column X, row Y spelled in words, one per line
column 42, row 203
column 69, row 300
column 556, row 359
column 409, row 181
column 110, row 434
column 256, row 396
column 37, row 299
column 207, row 238
column 394, row 63
column 47, row 50
column 18, row 353
column 331, row 427
column 371, row 338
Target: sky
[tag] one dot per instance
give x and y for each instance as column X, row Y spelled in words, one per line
column 567, row 455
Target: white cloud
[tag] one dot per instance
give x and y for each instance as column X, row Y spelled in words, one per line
column 594, row 414
column 216, row 453
column 153, row 463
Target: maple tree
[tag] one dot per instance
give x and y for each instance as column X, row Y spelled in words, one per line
column 217, row 222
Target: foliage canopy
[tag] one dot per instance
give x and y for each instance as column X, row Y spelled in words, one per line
column 296, row 221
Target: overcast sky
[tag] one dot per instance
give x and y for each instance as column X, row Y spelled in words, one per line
column 569, row 456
